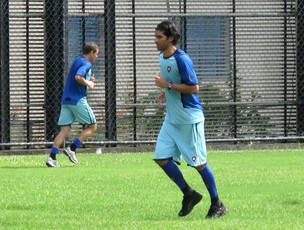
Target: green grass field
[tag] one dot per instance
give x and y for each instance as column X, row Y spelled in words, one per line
column 261, row 189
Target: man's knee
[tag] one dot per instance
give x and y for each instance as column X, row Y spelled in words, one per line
column 200, row 167
column 161, row 162
column 93, row 127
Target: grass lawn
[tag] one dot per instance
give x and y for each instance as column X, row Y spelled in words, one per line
column 262, row 189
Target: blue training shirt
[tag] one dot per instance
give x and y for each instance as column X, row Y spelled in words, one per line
column 74, row 91
column 181, row 108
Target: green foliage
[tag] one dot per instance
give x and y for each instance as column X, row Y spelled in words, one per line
column 218, row 112
column 261, row 189
column 150, row 115
column 226, row 117
column 254, row 123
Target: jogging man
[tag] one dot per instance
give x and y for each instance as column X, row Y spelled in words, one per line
column 74, row 105
column 182, row 132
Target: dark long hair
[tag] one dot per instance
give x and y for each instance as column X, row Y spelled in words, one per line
column 169, row 29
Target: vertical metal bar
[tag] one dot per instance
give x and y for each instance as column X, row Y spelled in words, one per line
column 83, row 21
column 27, row 73
column 83, row 31
column 4, row 74
column 300, row 68
column 234, row 73
column 110, row 71
column 134, row 75
column 285, row 70
column 54, row 65
column 184, row 22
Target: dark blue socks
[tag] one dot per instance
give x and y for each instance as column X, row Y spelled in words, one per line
column 174, row 173
column 209, row 181
column 172, row 170
column 76, row 144
column 54, row 151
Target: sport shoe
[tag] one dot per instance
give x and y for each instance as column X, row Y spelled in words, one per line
column 71, row 155
column 216, row 211
column 51, row 163
column 189, row 202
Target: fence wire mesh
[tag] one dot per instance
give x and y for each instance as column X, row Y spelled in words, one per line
column 248, row 56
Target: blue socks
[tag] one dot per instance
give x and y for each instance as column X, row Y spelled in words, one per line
column 76, row 144
column 209, row 181
column 54, row 151
column 173, row 172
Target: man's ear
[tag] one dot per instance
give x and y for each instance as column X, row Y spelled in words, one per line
column 170, row 38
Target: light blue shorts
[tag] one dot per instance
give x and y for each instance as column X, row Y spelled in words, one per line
column 182, row 141
column 80, row 112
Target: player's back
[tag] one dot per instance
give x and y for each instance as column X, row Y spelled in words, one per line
column 73, row 90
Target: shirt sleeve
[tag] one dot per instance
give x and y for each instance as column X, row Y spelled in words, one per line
column 84, row 68
column 186, row 70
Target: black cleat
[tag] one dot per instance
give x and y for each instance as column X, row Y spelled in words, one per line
column 216, row 211
column 189, row 202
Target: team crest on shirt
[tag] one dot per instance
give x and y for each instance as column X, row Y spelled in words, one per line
column 193, row 158
column 168, row 69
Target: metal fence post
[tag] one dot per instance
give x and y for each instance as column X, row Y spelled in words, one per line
column 110, row 70
column 134, row 73
column 4, row 74
column 234, row 79
column 300, row 68
column 54, row 70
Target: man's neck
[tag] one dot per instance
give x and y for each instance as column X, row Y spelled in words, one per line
column 169, row 51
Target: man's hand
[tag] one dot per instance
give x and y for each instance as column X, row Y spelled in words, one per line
column 160, row 81
column 83, row 81
column 161, row 98
column 90, row 84
column 92, row 78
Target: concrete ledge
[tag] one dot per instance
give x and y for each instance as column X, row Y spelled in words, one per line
column 150, row 148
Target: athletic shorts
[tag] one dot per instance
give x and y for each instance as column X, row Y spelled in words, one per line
column 80, row 112
column 179, row 142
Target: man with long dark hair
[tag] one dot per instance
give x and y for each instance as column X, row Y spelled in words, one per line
column 182, row 132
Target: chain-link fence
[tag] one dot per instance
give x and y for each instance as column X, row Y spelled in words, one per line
column 248, row 56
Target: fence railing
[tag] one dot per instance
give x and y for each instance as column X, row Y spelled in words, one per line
column 248, row 56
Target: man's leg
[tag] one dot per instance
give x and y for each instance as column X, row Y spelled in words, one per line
column 217, row 208
column 64, row 131
column 191, row 197
column 71, row 150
